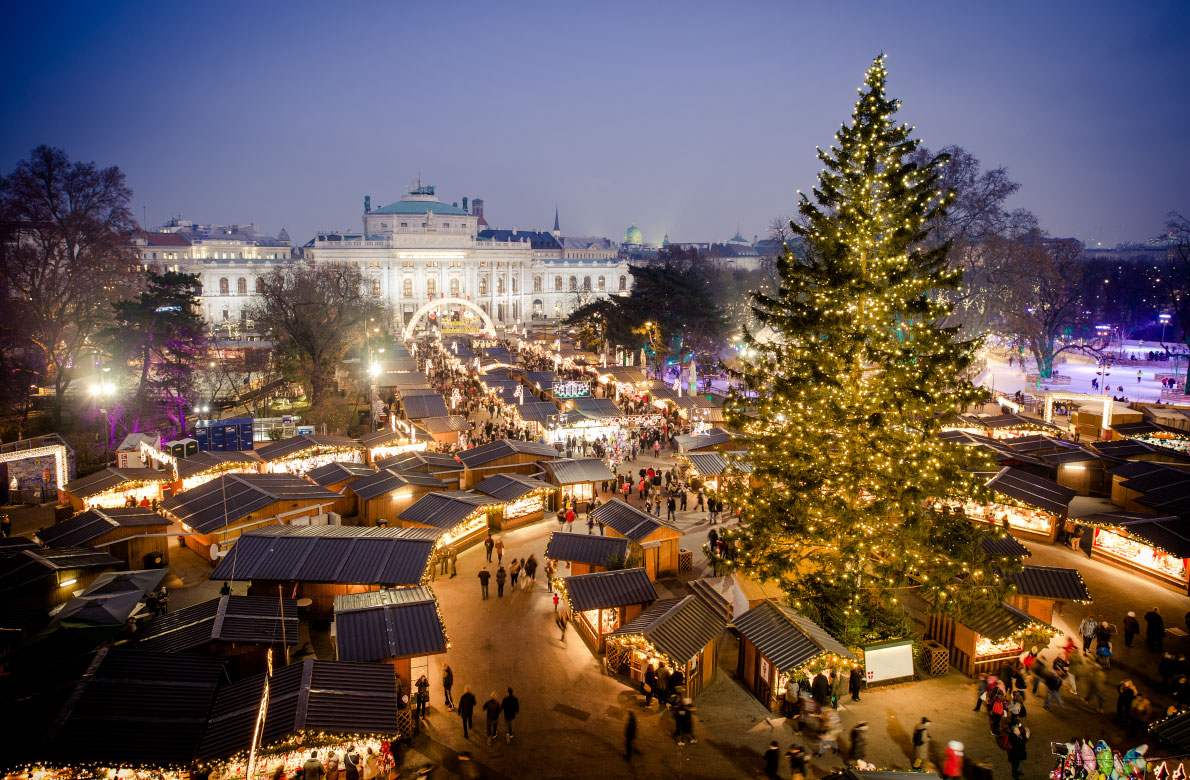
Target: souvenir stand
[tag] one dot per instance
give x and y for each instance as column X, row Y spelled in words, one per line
column 115, row 487
column 398, row 439
column 308, row 451
column 401, row 627
column 522, row 499
column 603, row 601
column 656, row 542
column 1154, row 547
column 980, row 639
column 460, row 516
column 577, row 478
column 336, row 477
column 507, row 456
column 1155, row 434
column 682, row 632
column 201, row 468
column 450, row 429
column 1028, row 506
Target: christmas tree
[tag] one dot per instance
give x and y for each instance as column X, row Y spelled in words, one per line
column 850, row 393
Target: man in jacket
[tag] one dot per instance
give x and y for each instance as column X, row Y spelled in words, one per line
column 312, row 769
column 1155, row 630
column 921, row 743
column 501, row 576
column 1018, row 738
column 467, row 709
column 491, row 708
column 484, row 575
column 510, row 706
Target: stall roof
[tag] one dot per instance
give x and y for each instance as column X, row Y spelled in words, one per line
column 417, row 407
column 136, row 707
column 501, row 354
column 586, row 548
column 1076, row 455
column 712, row 438
column 708, row 464
column 1131, row 448
column 333, row 554
column 1051, row 582
column 572, row 471
column 112, row 477
column 287, row 448
column 480, row 456
column 406, row 379
column 11, row 544
column 229, row 497
column 1157, row 479
column 1010, row 420
column 996, row 621
column 1036, row 491
column 607, row 589
column 136, row 581
column 388, row 624
column 421, row 461
column 193, row 465
column 445, row 509
column 785, row 637
column 1168, row 533
column 388, row 480
column 1147, row 427
column 597, row 408
column 542, row 379
column 535, row 411
column 624, row 374
column 335, row 697
column 629, row 521
column 29, row 566
column 382, row 438
column 447, row 424
column 94, row 523
column 1138, row 468
column 1037, row 443
column 664, row 394
column 1003, row 545
column 1175, row 730
column 678, row 628
column 1172, row 500
column 510, row 487
column 235, row 619
column 695, row 402
column 333, row 473
column 711, row 590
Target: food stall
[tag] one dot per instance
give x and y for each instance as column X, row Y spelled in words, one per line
column 336, row 477
column 382, row 496
column 1026, row 505
column 1155, row 434
column 601, row 602
column 308, row 451
column 510, row 456
column 194, row 470
column 115, row 487
column 981, row 638
column 682, row 632
column 1154, row 547
column 522, row 499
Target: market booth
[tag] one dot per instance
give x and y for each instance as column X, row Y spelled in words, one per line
column 603, row 601
column 400, row 627
column 461, row 517
column 200, row 468
column 321, row 562
column 537, row 415
column 586, row 553
column 710, row 467
column 137, row 536
column 305, row 452
column 383, row 495
column 1155, row 434
column 507, row 456
column 41, row 579
column 711, row 439
column 401, row 438
column 446, row 467
column 1154, row 547
column 980, row 639
column 682, row 632
column 115, row 487
column 654, row 540
column 1081, row 469
column 419, row 407
column 522, row 499
column 1026, row 505
column 1138, row 450
column 776, row 643
column 336, row 477
column 578, row 478
column 1041, row 589
column 445, row 429
column 214, row 515
column 1011, row 425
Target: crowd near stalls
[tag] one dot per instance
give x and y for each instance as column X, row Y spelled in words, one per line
column 681, row 634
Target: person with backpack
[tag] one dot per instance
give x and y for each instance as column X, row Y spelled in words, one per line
column 996, row 708
column 921, row 744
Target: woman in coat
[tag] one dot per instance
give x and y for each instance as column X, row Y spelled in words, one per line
column 952, row 767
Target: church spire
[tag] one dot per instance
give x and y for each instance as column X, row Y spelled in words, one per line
column 557, row 227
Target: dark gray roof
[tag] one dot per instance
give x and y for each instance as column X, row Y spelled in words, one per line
column 388, row 480
column 335, row 697
column 1033, row 490
column 94, row 523
column 1136, row 468
column 1146, row 427
column 1010, row 420
column 605, row 589
column 1051, row 582
column 428, row 462
column 333, row 473
column 510, row 487
column 1037, row 443
column 1174, row 730
column 446, row 509
column 1003, row 545
column 1075, row 455
column 628, row 520
column 406, row 379
column 112, row 477
column 624, row 374
column 1131, row 448
column 382, row 438
column 235, row 619
column 706, row 590
column 694, row 402
column 1157, row 479
column 535, row 411
column 294, row 445
column 451, row 422
column 487, row 453
column 678, row 628
column 585, row 548
column 712, row 438
column 418, row 406
column 543, row 379
column 1168, row 533
column 597, row 408
column 707, row 463
column 388, row 624
column 996, row 621
column 571, row 471
column 25, row 567
column 193, row 465
column 230, row 497
column 785, row 637
column 339, row 554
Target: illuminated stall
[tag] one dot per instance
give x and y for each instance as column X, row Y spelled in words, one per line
column 461, row 516
column 777, row 643
column 1025, row 505
column 401, row 627
column 711, row 439
column 586, row 553
column 302, row 453
column 710, row 467
column 624, row 381
column 653, row 540
column 116, row 487
column 336, row 477
column 578, row 478
column 444, row 430
column 509, row 456
column 195, row 470
column 981, row 638
column 136, row 535
column 446, row 467
column 1155, row 434
column 682, row 632
column 1039, row 590
column 522, row 500
column 1004, row 426
column 1155, row 547
column 400, row 438
column 603, row 601
column 382, row 496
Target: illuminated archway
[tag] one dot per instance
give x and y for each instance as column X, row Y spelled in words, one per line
column 1058, row 395
column 440, row 303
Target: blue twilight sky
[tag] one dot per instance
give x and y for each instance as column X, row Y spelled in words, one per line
column 685, row 117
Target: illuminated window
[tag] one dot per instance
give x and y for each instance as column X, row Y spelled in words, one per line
column 557, row 284
column 483, row 285
column 574, row 284
column 602, row 283
column 514, row 284
column 536, row 284
column 224, row 287
column 623, row 282
column 242, row 286
column 500, row 285
column 454, row 287
column 407, row 288
column 376, row 287
column 431, row 287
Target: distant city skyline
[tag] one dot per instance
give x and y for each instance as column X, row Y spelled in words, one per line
column 683, row 119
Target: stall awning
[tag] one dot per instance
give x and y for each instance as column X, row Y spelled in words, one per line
column 333, row 473
column 1175, row 730
column 193, row 465
column 708, row 464
column 677, row 628
column 785, row 637
column 573, row 471
column 388, row 480
column 388, row 624
column 29, row 566
column 112, row 478
column 505, row 448
column 234, row 619
column 1030, row 489
column 586, row 548
column 1051, row 582
column 1003, row 545
column 418, row 407
column 608, row 589
column 629, row 521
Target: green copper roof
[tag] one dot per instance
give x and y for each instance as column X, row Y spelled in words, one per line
column 633, row 235
column 421, row 207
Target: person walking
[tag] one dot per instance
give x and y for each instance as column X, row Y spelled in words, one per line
column 921, row 744
column 1094, row 683
column 514, row 572
column 499, row 546
column 671, row 506
column 371, row 765
column 448, row 680
column 1127, row 693
column 629, row 735
column 797, row 762
column 501, row 576
column 684, row 722
column 484, row 575
column 488, row 544
column 1053, row 684
column 859, row 742
column 510, row 707
column 467, row 709
column 1131, row 628
column 491, row 709
column 952, row 767
column 1086, row 630
column 560, row 621
column 454, row 562
column 531, row 569
column 1018, row 738
column 1155, row 630
column 313, row 769
column 772, row 759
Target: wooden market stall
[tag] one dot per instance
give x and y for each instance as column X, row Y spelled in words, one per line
column 1081, row 469
column 401, row 438
column 446, row 467
column 1155, row 434
column 460, row 516
column 443, row 430
column 1024, row 504
column 603, row 601
column 321, row 562
column 537, row 415
column 420, row 406
column 522, row 499
column 507, row 456
column 578, row 478
column 382, row 496
column 200, row 468
column 336, row 477
column 655, row 541
column 1010, row 425
column 1152, row 546
column 1151, row 488
column 115, row 487
column 712, row 439
column 683, row 632
column 41, row 579
column 1039, row 590
column 215, row 514
column 1138, row 449
column 776, row 643
column 981, row 638
column 137, row 536
column 307, row 451
column 401, row 627
column 586, row 553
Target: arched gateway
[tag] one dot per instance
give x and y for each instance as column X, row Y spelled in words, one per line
column 489, row 327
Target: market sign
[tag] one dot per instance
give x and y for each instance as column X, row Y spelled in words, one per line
column 571, row 389
column 528, row 505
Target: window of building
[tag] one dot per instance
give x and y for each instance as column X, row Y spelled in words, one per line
column 404, row 224
column 260, row 285
column 445, row 224
column 431, row 287
column 407, row 288
column 587, row 283
column 500, row 286
column 454, row 287
column 456, row 263
column 536, row 284
column 573, row 284
column 376, row 287
column 557, row 284
column 406, row 263
column 226, row 315
column 432, row 264
column 483, row 285
column 602, row 283
column 623, row 283
column 242, row 286
column 243, row 316
column 224, row 286
column 514, row 284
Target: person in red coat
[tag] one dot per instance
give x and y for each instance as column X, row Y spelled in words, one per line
column 953, row 765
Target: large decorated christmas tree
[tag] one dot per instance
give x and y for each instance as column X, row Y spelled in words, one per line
column 855, row 374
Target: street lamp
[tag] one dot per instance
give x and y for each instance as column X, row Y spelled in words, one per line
column 103, row 390
column 1164, row 320
column 374, row 371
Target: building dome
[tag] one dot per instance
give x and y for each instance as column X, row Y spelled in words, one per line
column 633, row 236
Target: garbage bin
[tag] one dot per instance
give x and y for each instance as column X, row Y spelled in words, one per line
column 154, row 560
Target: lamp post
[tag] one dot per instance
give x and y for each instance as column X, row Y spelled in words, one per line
column 1164, row 320
column 103, row 390
column 375, row 372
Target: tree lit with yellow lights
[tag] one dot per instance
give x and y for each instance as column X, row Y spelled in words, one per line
column 851, row 391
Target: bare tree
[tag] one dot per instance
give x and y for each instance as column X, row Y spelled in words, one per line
column 65, row 254
column 1176, row 283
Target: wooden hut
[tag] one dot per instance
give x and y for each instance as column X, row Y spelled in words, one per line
column 1138, row 449
column 1151, row 488
column 460, row 516
column 402, row 438
column 1010, row 425
column 586, row 553
column 113, row 487
column 238, row 628
column 301, row 453
column 448, row 468
column 444, row 429
column 402, row 627
column 603, row 601
column 1026, row 505
column 419, row 407
column 137, row 536
column 1042, row 589
column 713, row 439
column 507, row 456
column 384, row 495
column 537, row 415
column 202, row 467
column 42, row 579
column 578, row 478
column 1156, row 547
column 1081, row 469
column 522, row 500
column 321, row 562
column 336, row 477
column 682, row 632
column 777, row 642
column 655, row 541
column 981, row 638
